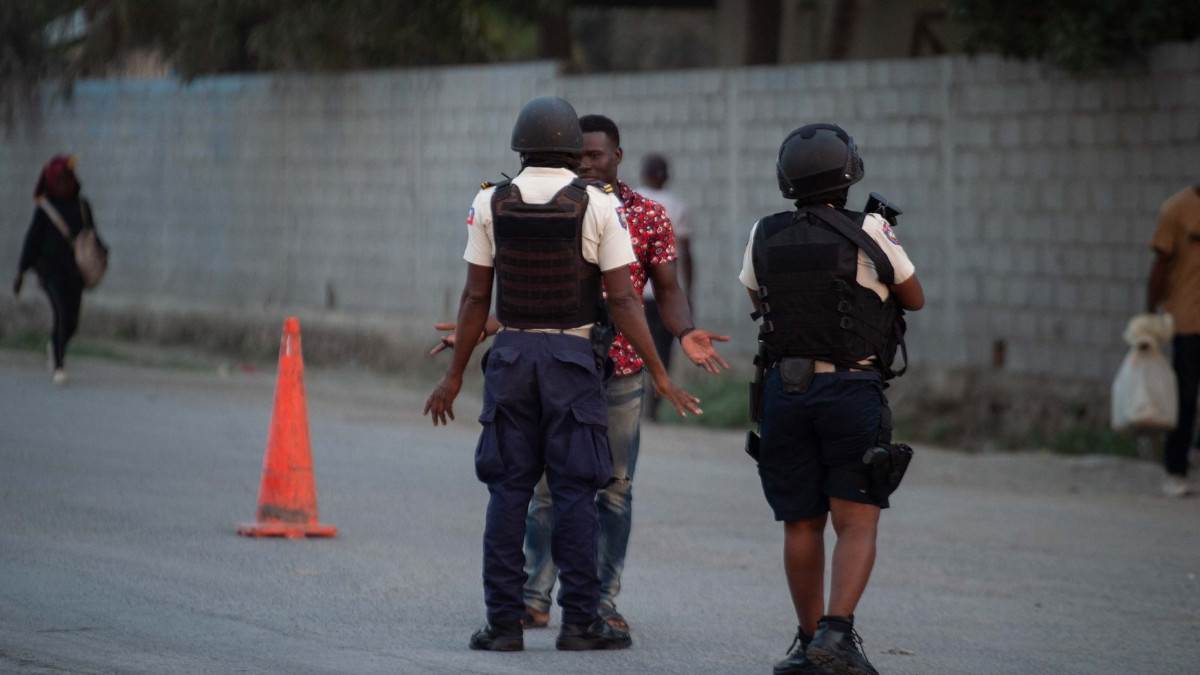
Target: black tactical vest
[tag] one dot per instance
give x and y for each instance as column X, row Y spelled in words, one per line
column 542, row 279
column 806, row 263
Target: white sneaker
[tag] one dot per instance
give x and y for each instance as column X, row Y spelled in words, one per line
column 1176, row 486
column 60, row 376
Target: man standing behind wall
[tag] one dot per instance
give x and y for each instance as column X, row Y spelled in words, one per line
column 1175, row 285
column 655, row 175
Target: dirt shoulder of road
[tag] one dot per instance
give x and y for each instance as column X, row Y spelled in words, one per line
column 359, row 394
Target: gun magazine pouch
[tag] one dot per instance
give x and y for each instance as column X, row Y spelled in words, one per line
column 796, row 373
column 752, row 444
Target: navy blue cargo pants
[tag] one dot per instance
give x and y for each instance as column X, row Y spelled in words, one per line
column 544, row 410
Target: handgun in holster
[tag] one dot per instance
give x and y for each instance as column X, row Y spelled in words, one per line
column 887, row 461
column 601, row 337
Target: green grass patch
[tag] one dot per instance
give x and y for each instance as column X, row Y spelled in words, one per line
column 129, row 354
column 1090, row 441
column 723, row 400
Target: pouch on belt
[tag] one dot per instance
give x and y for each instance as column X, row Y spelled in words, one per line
column 797, row 374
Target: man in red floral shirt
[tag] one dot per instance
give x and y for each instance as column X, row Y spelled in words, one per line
column 654, row 246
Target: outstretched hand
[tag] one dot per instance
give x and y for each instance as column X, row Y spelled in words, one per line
column 698, row 346
column 441, row 401
column 447, row 341
column 682, row 400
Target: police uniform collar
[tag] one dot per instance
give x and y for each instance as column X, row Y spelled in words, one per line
column 547, row 172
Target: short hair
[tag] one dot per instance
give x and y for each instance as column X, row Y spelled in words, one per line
column 655, row 166
column 592, row 123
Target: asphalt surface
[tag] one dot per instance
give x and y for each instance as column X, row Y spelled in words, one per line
column 120, row 494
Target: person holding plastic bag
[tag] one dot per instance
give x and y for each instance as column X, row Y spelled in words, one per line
column 1144, row 393
column 1175, row 286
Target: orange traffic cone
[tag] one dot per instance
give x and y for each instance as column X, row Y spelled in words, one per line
column 287, row 501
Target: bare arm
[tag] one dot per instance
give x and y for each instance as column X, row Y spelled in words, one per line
column 910, row 294
column 1156, row 290
column 472, row 315
column 684, row 246
column 676, row 313
column 630, row 318
column 673, row 305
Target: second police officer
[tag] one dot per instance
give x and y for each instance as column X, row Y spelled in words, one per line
column 548, row 239
column 829, row 286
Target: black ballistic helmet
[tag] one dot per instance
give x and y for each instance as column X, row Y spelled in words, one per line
column 547, row 124
column 815, row 159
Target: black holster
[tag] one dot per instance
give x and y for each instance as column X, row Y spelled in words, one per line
column 887, row 463
column 758, row 385
column 756, row 401
column 601, row 336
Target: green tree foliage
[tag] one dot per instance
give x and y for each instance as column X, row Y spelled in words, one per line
column 1078, row 35
column 62, row 40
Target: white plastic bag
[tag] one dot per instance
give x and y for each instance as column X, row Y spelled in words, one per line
column 1145, row 394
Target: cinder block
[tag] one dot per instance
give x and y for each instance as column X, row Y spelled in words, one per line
column 1159, row 127
column 1186, row 126
column 1008, row 134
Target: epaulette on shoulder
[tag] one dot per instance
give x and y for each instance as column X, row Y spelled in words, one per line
column 606, row 187
column 487, row 184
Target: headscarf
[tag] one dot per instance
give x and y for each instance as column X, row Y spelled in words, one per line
column 58, row 180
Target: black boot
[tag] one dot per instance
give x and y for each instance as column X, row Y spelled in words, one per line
column 836, row 647
column 598, row 634
column 499, row 638
column 797, row 662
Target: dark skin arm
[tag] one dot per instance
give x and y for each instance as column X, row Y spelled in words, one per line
column 626, row 310
column 1156, row 290
column 472, row 315
column 909, row 294
column 676, row 314
column 684, row 245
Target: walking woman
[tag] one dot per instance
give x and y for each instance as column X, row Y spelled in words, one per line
column 52, row 247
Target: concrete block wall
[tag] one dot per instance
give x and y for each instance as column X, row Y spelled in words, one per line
column 1029, row 197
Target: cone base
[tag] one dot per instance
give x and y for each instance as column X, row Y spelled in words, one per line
column 286, row 530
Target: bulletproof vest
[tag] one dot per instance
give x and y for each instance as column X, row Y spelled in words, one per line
column 806, row 263
column 542, row 279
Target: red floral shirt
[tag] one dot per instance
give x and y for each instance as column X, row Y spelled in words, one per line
column 653, row 244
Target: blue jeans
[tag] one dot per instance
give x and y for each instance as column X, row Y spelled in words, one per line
column 614, row 503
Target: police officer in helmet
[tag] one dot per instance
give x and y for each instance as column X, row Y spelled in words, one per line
column 830, row 286
column 548, row 240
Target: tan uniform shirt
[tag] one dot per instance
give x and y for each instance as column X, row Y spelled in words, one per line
column 606, row 241
column 1178, row 238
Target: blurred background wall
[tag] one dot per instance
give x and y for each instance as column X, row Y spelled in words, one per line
column 1029, row 197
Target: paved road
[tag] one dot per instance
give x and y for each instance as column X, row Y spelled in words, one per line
column 119, row 495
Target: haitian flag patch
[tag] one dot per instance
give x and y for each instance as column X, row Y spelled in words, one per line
column 621, row 218
column 471, row 216
column 890, row 234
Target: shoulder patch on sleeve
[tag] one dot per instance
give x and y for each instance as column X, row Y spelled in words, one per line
column 890, row 234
